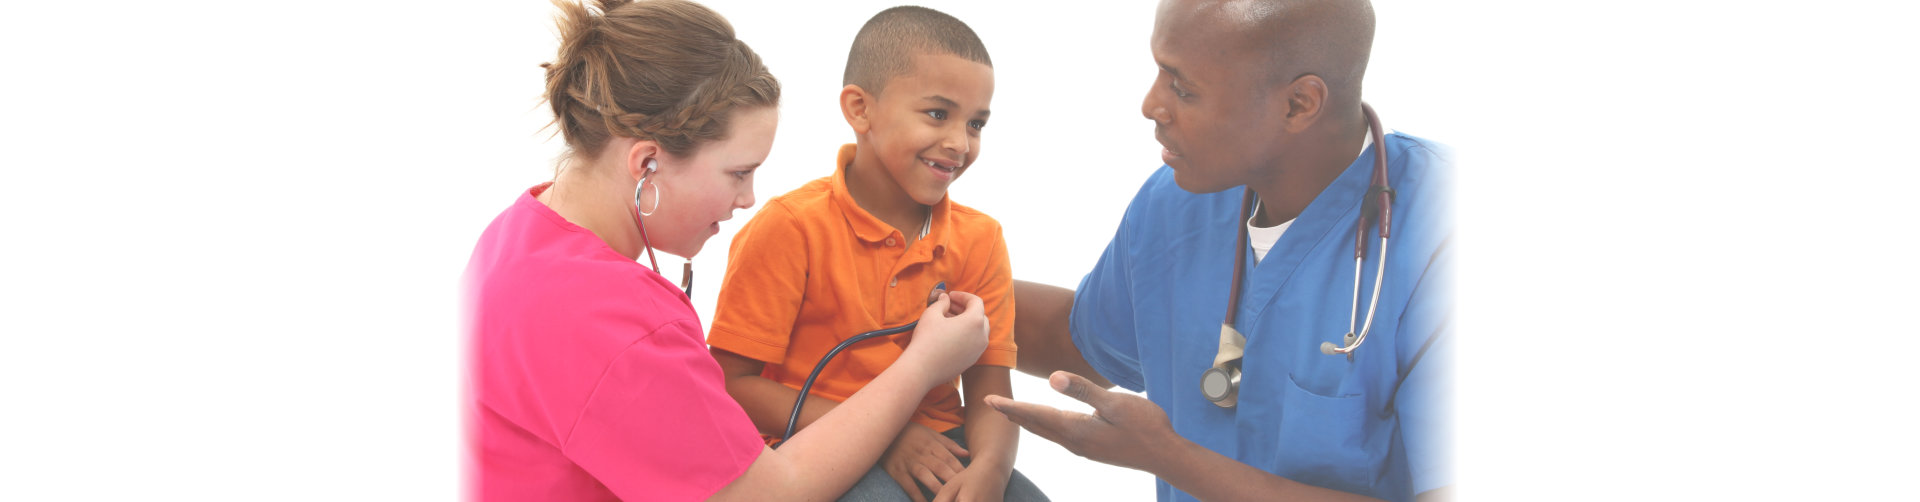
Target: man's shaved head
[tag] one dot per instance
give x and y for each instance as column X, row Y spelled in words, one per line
column 1294, row 38
column 1263, row 93
column 885, row 47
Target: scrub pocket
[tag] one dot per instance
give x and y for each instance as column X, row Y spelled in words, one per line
column 1323, row 440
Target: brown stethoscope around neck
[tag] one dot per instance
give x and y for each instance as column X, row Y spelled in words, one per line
column 1220, row 384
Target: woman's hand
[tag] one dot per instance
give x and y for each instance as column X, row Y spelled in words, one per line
column 951, row 335
column 920, row 454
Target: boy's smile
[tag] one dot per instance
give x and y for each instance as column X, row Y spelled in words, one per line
column 924, row 131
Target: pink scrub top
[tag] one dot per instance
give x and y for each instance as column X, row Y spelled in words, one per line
column 591, row 380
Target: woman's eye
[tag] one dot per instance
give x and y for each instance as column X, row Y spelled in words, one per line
column 937, row 114
column 1176, row 89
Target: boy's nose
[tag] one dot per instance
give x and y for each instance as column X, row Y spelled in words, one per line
column 957, row 140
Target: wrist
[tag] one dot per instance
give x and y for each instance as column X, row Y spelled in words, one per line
column 1180, row 454
column 1002, row 464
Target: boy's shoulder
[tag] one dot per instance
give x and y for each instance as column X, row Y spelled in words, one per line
column 816, row 195
column 972, row 223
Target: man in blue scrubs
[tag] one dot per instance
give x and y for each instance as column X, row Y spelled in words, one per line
column 1260, row 95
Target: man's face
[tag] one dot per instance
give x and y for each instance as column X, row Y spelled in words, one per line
column 1208, row 105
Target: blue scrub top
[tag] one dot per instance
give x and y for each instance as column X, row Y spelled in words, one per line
column 1148, row 318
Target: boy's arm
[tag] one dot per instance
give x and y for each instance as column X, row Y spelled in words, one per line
column 991, row 438
column 768, row 403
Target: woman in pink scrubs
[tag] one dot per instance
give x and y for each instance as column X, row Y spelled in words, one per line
column 591, row 378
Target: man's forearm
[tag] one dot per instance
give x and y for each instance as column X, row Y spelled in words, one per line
column 1040, row 329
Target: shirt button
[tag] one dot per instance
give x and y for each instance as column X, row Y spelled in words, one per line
column 894, row 282
column 889, row 242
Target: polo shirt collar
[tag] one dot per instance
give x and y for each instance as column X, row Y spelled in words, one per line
column 870, row 228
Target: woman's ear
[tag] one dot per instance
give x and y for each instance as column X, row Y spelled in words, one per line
column 641, row 159
column 853, row 104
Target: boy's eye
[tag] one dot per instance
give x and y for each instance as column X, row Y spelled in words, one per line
column 977, row 124
column 742, row 174
column 937, row 114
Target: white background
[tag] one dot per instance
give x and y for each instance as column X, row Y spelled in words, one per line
column 231, row 233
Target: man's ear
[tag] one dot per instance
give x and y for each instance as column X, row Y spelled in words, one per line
column 638, row 155
column 854, row 103
column 1305, row 97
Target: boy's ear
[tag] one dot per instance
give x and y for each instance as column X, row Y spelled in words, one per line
column 854, row 103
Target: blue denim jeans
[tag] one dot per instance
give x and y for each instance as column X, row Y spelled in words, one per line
column 877, row 486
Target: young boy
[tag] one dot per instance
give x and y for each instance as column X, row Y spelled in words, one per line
column 860, row 249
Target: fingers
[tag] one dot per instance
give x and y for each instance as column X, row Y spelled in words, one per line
column 943, row 466
column 933, row 295
column 1081, row 389
column 907, row 485
column 957, row 450
column 926, row 477
column 948, row 493
column 1042, row 420
column 963, row 302
column 938, row 301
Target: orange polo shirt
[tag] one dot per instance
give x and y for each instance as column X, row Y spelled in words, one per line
column 813, row 269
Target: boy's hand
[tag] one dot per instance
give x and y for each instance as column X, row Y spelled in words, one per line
column 951, row 335
column 919, row 453
column 975, row 485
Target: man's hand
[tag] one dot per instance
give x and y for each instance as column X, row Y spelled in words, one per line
column 921, row 454
column 1125, row 430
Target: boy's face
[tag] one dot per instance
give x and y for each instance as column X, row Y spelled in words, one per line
column 925, row 127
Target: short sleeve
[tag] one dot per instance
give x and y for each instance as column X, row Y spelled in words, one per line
column 992, row 281
column 765, row 282
column 1102, row 321
column 1423, row 401
column 659, row 424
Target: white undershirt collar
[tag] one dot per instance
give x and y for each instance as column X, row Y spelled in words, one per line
column 1263, row 239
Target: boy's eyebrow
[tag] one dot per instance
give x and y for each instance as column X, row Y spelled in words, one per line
column 948, row 103
column 941, row 100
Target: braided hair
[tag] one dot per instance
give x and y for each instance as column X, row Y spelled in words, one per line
column 669, row 71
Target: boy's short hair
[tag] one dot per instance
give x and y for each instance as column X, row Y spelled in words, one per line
column 884, row 48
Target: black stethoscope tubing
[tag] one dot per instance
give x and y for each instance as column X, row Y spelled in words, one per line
column 793, row 419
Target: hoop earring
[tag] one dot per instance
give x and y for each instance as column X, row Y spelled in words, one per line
column 656, row 197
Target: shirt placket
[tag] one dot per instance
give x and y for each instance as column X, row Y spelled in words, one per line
column 901, row 300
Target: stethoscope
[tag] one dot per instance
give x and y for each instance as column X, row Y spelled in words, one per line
column 1220, row 384
column 686, row 273
column 793, row 419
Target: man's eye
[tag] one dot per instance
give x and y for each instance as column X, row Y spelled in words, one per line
column 937, row 114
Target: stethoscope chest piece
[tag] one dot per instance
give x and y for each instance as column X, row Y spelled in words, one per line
column 1221, row 385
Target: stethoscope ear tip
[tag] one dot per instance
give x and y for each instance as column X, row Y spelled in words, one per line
column 1328, row 348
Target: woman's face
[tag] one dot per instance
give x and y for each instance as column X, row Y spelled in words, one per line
column 697, row 192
